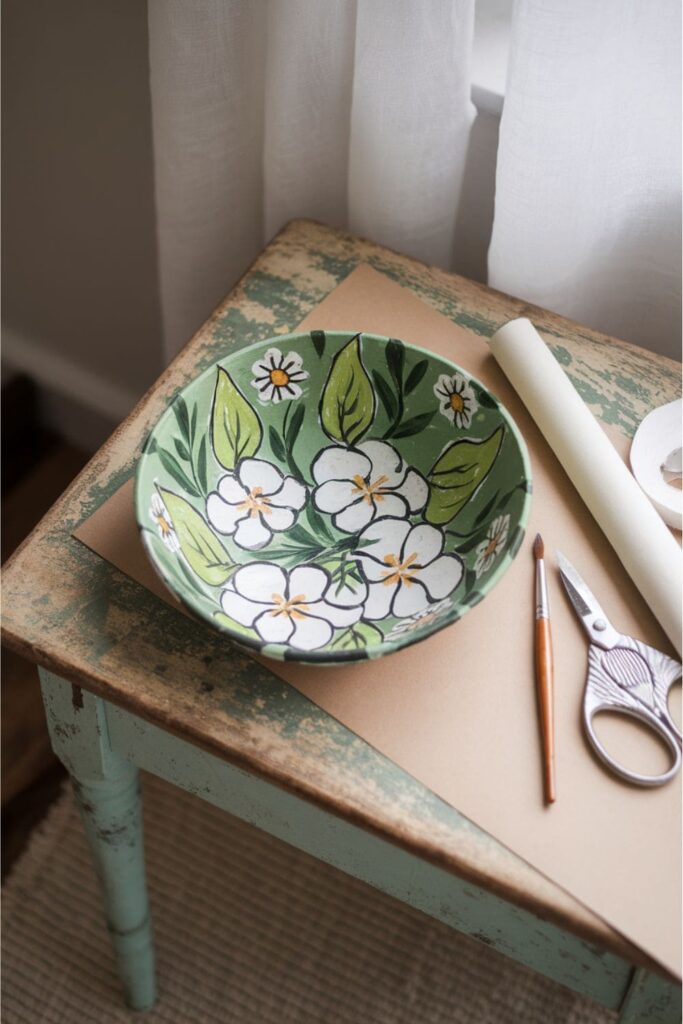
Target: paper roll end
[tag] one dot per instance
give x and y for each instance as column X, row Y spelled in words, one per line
column 513, row 330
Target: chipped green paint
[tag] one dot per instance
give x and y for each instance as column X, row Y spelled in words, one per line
column 107, row 791
column 631, row 387
column 560, row 352
column 476, row 323
column 232, row 330
column 332, row 264
column 96, row 494
column 279, row 295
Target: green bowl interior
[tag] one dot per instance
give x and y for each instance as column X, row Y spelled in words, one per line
column 398, row 454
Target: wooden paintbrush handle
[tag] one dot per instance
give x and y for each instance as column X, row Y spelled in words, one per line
column 544, row 684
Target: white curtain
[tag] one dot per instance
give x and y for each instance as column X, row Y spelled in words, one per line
column 358, row 113
column 588, row 186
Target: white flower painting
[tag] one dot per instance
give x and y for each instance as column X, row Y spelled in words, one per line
column 489, row 549
column 432, row 613
column 356, row 485
column 254, row 502
column 163, row 523
column 293, row 608
column 456, row 399
column 405, row 568
column 278, row 377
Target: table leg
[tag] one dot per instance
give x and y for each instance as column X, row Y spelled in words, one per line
column 107, row 790
column 651, row 999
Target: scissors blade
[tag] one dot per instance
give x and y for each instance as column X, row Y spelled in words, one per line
column 577, row 591
column 585, row 604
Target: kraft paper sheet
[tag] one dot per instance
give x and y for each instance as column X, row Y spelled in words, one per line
column 458, row 711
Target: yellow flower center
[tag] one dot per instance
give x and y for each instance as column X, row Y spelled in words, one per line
column 400, row 571
column 280, row 378
column 164, row 524
column 491, row 546
column 457, row 403
column 294, row 608
column 256, row 502
column 371, row 490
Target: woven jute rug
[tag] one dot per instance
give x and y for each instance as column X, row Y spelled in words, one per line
column 247, row 930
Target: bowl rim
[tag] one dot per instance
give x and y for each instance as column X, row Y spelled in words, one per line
column 321, row 657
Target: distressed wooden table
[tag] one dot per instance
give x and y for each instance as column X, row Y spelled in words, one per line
column 128, row 682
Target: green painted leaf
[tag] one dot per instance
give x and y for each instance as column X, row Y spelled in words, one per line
column 524, row 486
column 470, row 580
column 180, row 413
column 173, row 468
column 472, row 542
column 486, row 400
column 488, row 507
column 385, row 392
column 236, row 429
column 295, row 426
column 300, row 535
column 415, row 425
column 181, row 449
column 317, row 523
column 198, row 543
column 276, row 444
column 193, row 423
column 416, row 375
column 190, row 577
column 202, row 465
column 347, row 407
column 355, row 638
column 395, row 355
column 318, row 339
column 457, row 474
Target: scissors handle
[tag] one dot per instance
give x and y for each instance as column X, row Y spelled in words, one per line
column 632, row 679
column 618, row 769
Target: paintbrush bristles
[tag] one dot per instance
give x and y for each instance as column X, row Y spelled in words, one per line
column 538, row 546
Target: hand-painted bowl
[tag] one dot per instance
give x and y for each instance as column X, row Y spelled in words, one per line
column 329, row 497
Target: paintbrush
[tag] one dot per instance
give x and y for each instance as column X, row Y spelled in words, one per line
column 544, row 673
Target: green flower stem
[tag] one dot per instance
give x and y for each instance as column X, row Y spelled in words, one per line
column 391, row 430
column 194, row 476
column 291, row 462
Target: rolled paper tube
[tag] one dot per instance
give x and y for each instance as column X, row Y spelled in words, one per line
column 647, row 549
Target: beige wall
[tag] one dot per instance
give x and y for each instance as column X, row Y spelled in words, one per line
column 80, row 291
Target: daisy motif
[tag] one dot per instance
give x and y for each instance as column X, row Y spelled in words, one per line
column 456, row 399
column 163, row 522
column 294, row 608
column 358, row 484
column 277, row 377
column 496, row 538
column 405, row 568
column 432, row 613
column 255, row 502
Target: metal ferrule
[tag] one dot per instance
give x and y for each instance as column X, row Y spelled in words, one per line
column 542, row 603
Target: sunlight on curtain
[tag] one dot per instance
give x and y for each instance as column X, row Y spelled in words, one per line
column 588, row 189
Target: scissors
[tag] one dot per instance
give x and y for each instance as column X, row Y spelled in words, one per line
column 624, row 676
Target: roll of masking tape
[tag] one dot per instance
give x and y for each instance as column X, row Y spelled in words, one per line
column 655, row 460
